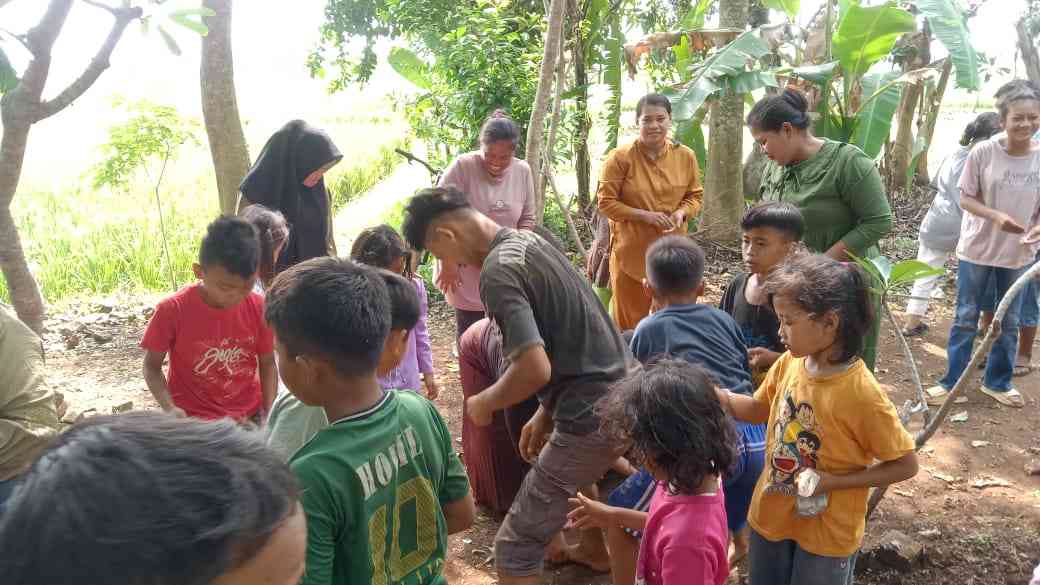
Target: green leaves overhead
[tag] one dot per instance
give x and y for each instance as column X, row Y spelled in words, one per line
column 409, row 66
column 725, row 71
column 818, row 74
column 8, row 76
column 186, row 17
column 948, row 22
column 881, row 100
column 788, row 6
column 612, row 78
column 867, row 35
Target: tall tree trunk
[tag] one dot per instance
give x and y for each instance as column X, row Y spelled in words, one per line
column 723, row 186
column 20, row 109
column 903, row 149
column 1027, row 48
column 227, row 143
column 930, row 113
column 582, row 159
column 536, row 127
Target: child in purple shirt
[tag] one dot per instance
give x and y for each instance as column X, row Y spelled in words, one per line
column 670, row 414
column 382, row 247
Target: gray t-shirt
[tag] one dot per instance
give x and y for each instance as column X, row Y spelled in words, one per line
column 536, row 297
column 941, row 226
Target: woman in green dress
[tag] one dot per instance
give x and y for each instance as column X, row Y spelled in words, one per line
column 835, row 185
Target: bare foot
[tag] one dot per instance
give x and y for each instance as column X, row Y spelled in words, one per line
column 556, row 552
column 597, row 561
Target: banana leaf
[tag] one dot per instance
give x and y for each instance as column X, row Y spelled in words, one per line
column 867, row 35
column 711, row 77
column 409, row 66
column 874, row 120
column 947, row 21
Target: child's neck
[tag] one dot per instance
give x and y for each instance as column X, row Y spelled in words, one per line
column 709, row 486
column 820, row 364
column 677, row 299
column 353, row 395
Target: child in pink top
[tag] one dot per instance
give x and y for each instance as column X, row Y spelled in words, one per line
column 671, row 415
column 501, row 187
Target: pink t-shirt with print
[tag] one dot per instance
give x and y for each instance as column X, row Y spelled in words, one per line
column 686, row 540
column 508, row 199
column 1010, row 184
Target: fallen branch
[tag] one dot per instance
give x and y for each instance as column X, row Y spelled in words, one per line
column 992, row 333
column 922, row 400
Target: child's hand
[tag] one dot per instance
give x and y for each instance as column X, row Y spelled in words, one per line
column 826, row 483
column 432, row 389
column 588, row 513
column 478, row 411
column 1008, row 223
column 760, row 358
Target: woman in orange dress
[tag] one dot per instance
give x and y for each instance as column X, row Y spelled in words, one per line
column 647, row 189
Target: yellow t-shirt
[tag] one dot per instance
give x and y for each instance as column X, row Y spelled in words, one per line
column 840, row 424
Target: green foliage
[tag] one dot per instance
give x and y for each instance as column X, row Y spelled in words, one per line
column 867, row 35
column 409, row 66
column 948, row 21
column 152, row 132
column 612, row 76
column 163, row 12
column 874, row 120
column 8, row 76
column 887, row 276
column 360, row 178
column 790, row 7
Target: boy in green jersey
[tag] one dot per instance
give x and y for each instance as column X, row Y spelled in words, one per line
column 382, row 486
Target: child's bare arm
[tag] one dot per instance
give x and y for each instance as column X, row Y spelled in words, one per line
column 884, row 473
column 741, row 407
column 458, row 515
column 156, row 381
column 268, row 380
column 590, row 513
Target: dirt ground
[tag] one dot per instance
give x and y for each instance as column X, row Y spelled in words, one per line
column 970, row 534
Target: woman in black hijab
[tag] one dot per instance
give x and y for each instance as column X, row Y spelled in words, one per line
column 287, row 177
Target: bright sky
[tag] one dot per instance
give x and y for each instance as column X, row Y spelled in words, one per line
column 271, row 43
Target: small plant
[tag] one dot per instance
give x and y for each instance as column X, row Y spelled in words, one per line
column 149, row 138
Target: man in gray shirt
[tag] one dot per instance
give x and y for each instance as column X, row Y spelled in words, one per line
column 560, row 344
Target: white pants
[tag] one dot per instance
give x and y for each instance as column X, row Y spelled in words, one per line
column 924, row 287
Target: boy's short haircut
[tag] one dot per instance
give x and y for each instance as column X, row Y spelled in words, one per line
column 404, row 301
column 233, row 243
column 145, row 497
column 334, row 308
column 779, row 215
column 674, row 265
column 425, row 207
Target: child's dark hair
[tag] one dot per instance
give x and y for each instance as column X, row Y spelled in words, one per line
column 499, row 127
column 819, row 284
column 404, row 301
column 674, row 265
column 425, row 207
column 232, row 243
column 334, row 308
column 145, row 497
column 1013, row 91
column 982, row 127
column 771, row 112
column 779, row 215
column 671, row 415
column 653, row 99
column 272, row 231
column 380, row 246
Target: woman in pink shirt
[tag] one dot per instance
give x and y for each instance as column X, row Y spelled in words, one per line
column 500, row 186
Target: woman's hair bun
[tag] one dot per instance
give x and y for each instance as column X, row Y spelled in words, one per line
column 796, row 100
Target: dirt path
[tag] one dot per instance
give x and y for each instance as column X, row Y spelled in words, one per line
column 971, row 534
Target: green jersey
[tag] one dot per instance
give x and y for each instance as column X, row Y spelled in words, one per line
column 373, row 485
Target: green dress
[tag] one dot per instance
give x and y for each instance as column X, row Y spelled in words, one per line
column 841, row 197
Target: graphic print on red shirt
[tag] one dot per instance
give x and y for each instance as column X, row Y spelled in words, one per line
column 213, row 353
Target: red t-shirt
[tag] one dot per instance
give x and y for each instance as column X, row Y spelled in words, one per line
column 213, row 353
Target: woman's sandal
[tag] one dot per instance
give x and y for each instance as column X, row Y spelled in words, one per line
column 1022, row 370
column 1010, row 397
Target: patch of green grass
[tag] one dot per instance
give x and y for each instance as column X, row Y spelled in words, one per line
column 360, row 177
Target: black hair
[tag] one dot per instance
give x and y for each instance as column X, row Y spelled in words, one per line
column 379, row 246
column 653, row 99
column 671, row 415
column 811, row 437
column 334, row 308
column 819, row 285
column 144, row 498
column 982, row 127
column 674, row 265
column 1015, row 90
column 271, row 230
column 404, row 301
column 779, row 215
column 232, row 243
column 771, row 112
column 499, row 127
column 425, row 207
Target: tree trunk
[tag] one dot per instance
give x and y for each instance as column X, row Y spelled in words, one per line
column 1028, row 50
column 582, row 159
column 930, row 111
column 536, row 126
column 903, row 149
column 20, row 109
column 227, row 143
column 723, row 186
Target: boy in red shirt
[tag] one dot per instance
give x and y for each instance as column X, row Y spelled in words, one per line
column 215, row 333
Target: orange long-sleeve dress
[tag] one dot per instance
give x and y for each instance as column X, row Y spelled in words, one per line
column 632, row 182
